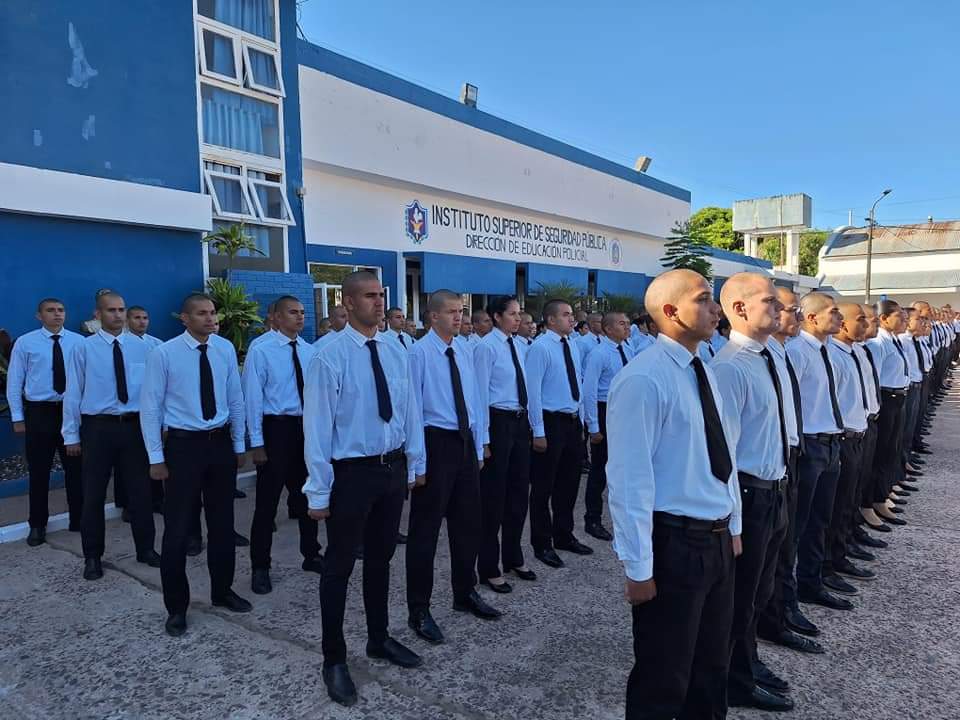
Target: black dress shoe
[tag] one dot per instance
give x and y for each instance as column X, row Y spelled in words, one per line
column 598, row 531
column 522, row 574
column 239, row 540
column 232, row 602
column 502, row 588
column 848, row 569
column 871, row 542
column 37, row 536
column 858, row 553
column 924, row 451
column 878, row 528
column 549, row 557
column 401, row 539
column 574, row 546
column 914, row 472
column 791, row 640
column 176, row 625
column 260, row 582
column 314, row 564
column 125, row 515
column 392, row 651
column 909, row 487
column 893, row 520
column 796, row 621
column 825, row 599
column 768, row 678
column 762, row 699
column 423, row 624
column 478, row 606
column 239, row 494
column 896, row 510
column 194, row 546
column 339, row 684
column 151, row 558
column 897, row 500
column 837, row 584
column 92, row 569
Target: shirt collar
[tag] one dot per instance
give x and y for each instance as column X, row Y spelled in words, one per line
column 680, row 355
column 555, row 336
column 47, row 333
column 499, row 334
column 439, row 345
column 358, row 337
column 108, row 338
column 811, row 340
column 745, row 342
column 604, row 340
column 842, row 345
column 282, row 339
column 191, row 341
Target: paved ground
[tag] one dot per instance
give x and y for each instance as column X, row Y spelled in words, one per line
column 75, row 649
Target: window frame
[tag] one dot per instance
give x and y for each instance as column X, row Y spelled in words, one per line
column 263, row 217
column 250, row 81
column 207, row 149
column 218, row 212
column 235, row 41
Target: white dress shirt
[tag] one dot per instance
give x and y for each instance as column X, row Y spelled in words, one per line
column 913, row 362
column 779, row 353
column 657, row 453
column 600, row 367
column 341, row 418
column 464, row 343
column 640, row 342
column 804, row 354
column 548, row 387
column 751, row 407
column 30, row 372
column 849, row 393
column 496, row 375
column 433, row 386
column 587, row 344
column 92, row 383
column 262, row 337
column 170, row 397
column 873, row 392
column 473, row 338
column 270, row 381
column 927, row 350
column 324, row 339
column 396, row 335
column 150, row 340
column 891, row 360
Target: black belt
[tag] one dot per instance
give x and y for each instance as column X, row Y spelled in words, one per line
column 211, row 434
column 118, row 419
column 823, row 438
column 873, row 417
column 853, row 435
column 752, row 481
column 388, row 458
column 916, row 384
column 894, row 391
column 41, row 403
column 689, row 523
column 521, row 413
column 284, row 418
column 563, row 415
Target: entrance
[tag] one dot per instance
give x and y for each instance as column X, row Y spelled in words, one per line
column 328, row 286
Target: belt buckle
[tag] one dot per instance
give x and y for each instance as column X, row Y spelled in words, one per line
column 717, row 527
column 383, row 459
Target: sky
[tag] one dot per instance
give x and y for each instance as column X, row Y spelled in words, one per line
column 731, row 99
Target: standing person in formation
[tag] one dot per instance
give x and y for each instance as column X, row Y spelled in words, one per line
column 527, row 329
column 36, row 382
column 138, row 322
column 273, row 394
column 410, row 327
column 482, row 325
column 602, row 365
column 588, row 342
column 675, row 503
column 397, row 328
column 553, row 386
column 363, row 437
column 910, row 340
column 755, row 418
column 505, row 477
column 192, row 388
column 338, row 321
column 101, row 417
column 268, row 327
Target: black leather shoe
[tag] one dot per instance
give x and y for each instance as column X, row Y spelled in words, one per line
column 848, row 569
column 796, row 621
column 401, row 539
column 837, row 584
column 896, row 510
column 314, row 564
column 423, row 624
column 232, row 602
column 194, row 546
column 897, row 500
column 598, row 531
column 858, row 553
column 762, row 699
column 878, row 528
column 522, row 574
column 176, row 625
column 871, row 542
column 893, row 520
column 502, row 588
column 125, row 515
column 340, row 685
column 791, row 640
column 768, row 678
column 825, row 599
column 151, row 558
column 92, row 569
column 924, row 451
column 37, row 536
column 574, row 546
column 913, row 472
column 916, row 460
column 909, row 487
column 478, row 606
column 260, row 582
column 549, row 557
column 239, row 494
column 239, row 540
column 394, row 652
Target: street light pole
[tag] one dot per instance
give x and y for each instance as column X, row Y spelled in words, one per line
column 872, row 221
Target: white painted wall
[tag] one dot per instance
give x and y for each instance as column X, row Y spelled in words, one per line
column 892, row 263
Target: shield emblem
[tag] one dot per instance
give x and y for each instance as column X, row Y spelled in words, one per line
column 416, row 222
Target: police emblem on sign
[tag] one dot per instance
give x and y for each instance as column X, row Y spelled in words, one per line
column 416, row 222
column 616, row 252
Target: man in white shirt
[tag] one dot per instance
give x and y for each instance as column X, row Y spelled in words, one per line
column 675, row 502
column 482, row 325
column 397, row 328
column 338, row 321
column 589, row 342
column 527, row 329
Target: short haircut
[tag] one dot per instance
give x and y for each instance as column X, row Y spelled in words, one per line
column 595, row 316
column 192, row 299
column 887, row 307
column 105, row 295
column 498, row 305
column 439, row 298
column 352, row 282
column 48, row 301
column 478, row 315
column 526, row 315
column 610, row 318
column 277, row 305
column 552, row 308
column 391, row 311
column 136, row 308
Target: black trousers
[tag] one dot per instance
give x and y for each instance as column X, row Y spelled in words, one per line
column 770, row 618
column 866, row 485
column 844, row 502
column 681, row 638
column 43, row 421
column 452, row 492
column 886, row 458
column 504, row 488
column 762, row 510
column 555, row 481
column 285, row 467
column 365, row 507
column 120, row 495
column 911, row 420
column 917, row 440
column 203, row 466
column 597, row 477
column 109, row 445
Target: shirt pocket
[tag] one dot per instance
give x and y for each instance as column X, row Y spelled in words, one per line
column 135, row 373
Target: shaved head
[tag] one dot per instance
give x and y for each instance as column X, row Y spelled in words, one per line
column 849, row 309
column 787, row 296
column 751, row 306
column 681, row 304
column 815, row 302
column 742, row 286
column 667, row 289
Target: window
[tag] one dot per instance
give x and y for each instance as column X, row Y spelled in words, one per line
column 243, row 193
column 263, row 69
column 253, row 16
column 227, row 187
column 269, row 197
column 240, row 122
column 269, row 241
column 219, row 56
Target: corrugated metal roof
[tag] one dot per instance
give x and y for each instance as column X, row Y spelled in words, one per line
column 896, row 281
column 923, row 237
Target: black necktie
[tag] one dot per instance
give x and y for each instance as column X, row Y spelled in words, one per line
column 717, row 449
column 863, row 388
column 598, row 339
column 208, row 400
column 384, row 406
column 298, row 370
column 119, row 373
column 873, row 370
column 710, row 349
column 59, row 369
column 463, row 420
column 571, row 371
column 837, row 416
column 772, row 367
column 899, row 347
column 518, row 371
column 797, row 402
column 916, row 346
column 623, row 355
column 400, row 338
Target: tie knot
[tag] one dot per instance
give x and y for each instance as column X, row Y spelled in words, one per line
column 292, row 343
column 116, row 343
column 449, row 352
column 372, row 344
column 510, row 339
column 202, row 347
column 55, row 338
column 563, row 339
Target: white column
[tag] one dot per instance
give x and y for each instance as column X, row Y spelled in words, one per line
column 749, row 248
column 793, row 251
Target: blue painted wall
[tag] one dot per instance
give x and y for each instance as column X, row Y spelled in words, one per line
column 551, row 274
column 622, row 283
column 384, row 259
column 72, row 259
column 143, row 96
column 266, row 287
column 440, row 271
column 296, row 238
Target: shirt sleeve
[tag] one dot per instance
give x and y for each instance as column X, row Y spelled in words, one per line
column 483, row 358
column 151, row 405
column 235, row 403
column 417, row 465
column 321, row 393
column 16, row 378
column 591, row 382
column 253, row 379
column 733, row 392
column 536, row 366
column 76, row 369
column 413, row 431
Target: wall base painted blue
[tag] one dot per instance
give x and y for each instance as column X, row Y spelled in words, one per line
column 265, row 287
column 386, row 260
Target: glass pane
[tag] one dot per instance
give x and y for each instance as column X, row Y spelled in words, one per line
column 331, row 274
column 230, row 194
column 271, row 200
column 218, row 54
column 242, row 123
column 254, row 16
column 334, row 298
column 264, row 69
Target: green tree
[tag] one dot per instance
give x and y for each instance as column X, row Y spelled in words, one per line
column 566, row 291
column 772, row 249
column 685, row 249
column 231, row 240
column 714, row 227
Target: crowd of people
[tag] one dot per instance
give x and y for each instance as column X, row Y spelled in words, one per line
column 747, row 450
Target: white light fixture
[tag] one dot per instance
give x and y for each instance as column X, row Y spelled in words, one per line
column 468, row 95
column 642, row 163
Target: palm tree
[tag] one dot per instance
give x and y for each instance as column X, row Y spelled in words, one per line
column 231, row 240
